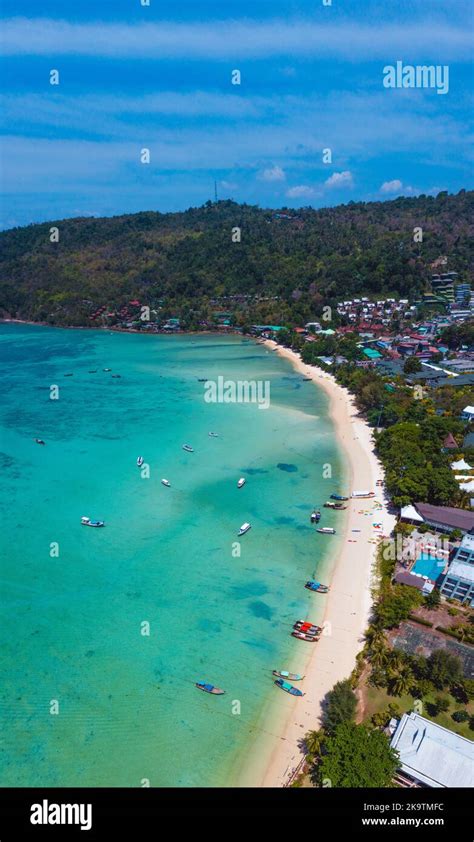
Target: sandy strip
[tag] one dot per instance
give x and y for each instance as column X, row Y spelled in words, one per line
column 348, row 605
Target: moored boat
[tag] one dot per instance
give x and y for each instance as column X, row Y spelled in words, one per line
column 338, row 497
column 209, row 688
column 140, row 461
column 307, row 628
column 166, row 482
column 317, row 587
column 309, row 638
column 288, row 688
column 326, row 530
column 244, row 528
column 290, row 676
column 315, row 516
column 86, row 521
column 40, row 441
column 337, row 506
column 213, row 435
column 188, row 448
column 241, row 482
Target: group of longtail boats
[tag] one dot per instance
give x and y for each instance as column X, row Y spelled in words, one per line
column 302, row 629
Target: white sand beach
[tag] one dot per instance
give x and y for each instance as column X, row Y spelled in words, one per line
column 349, row 602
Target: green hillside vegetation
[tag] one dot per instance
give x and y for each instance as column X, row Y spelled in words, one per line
column 181, row 263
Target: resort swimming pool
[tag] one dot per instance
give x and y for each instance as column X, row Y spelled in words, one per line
column 428, row 565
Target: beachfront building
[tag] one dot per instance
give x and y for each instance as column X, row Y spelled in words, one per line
column 458, row 583
column 431, row 756
column 440, row 518
column 415, row 580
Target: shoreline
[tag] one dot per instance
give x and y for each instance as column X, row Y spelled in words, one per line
column 349, row 603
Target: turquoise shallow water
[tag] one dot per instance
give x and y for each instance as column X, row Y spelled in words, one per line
column 128, row 710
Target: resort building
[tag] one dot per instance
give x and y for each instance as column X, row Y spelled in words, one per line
column 468, row 413
column 415, row 580
column 458, row 583
column 443, row 285
column 431, row 756
column 441, row 518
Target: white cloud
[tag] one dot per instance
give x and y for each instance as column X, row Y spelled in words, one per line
column 300, row 191
column 229, row 185
column 226, row 38
column 340, row 179
column 274, row 174
column 394, row 186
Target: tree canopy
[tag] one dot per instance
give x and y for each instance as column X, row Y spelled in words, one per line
column 357, row 756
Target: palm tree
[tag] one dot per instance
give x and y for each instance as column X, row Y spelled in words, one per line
column 401, row 681
column 314, row 743
column 374, row 637
column 379, row 656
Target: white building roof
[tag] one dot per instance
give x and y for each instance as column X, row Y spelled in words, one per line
column 467, row 543
column 410, row 513
column 467, row 486
column 460, row 465
column 432, row 754
column 461, row 570
column 469, row 409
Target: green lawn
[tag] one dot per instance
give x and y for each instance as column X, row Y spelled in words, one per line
column 377, row 699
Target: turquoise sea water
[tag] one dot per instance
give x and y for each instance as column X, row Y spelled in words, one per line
column 128, row 710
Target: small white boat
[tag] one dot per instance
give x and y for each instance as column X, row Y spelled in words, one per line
column 213, row 435
column 241, row 482
column 244, row 528
column 166, row 482
column 140, row 461
column 326, row 530
column 86, row 521
column 188, row 448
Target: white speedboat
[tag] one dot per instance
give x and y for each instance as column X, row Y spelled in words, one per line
column 326, row 530
column 166, row 482
column 86, row 521
column 244, row 528
column 188, row 448
column 140, row 461
column 241, row 482
column 213, row 435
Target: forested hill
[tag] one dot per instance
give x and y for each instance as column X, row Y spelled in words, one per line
column 297, row 260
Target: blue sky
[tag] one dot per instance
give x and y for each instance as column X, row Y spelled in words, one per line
column 160, row 77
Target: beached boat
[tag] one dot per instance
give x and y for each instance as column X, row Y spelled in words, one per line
column 188, row 448
column 86, row 521
column 244, row 528
column 307, row 628
column 140, row 461
column 338, row 497
column 209, row 688
column 361, row 495
column 315, row 516
column 338, row 507
column 291, row 676
column 326, row 530
column 309, row 638
column 241, row 482
column 166, row 482
column 288, row 688
column 40, row 441
column 317, row 587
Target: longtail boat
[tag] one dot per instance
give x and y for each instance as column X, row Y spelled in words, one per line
column 288, row 688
